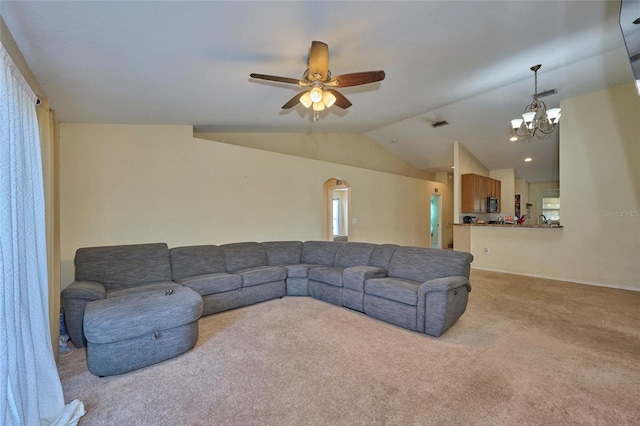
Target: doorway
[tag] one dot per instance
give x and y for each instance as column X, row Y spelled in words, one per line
column 337, row 193
column 436, row 213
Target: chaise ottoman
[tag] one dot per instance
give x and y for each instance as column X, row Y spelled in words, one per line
column 130, row 332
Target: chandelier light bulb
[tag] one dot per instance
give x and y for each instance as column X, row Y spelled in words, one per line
column 553, row 115
column 528, row 117
column 516, row 123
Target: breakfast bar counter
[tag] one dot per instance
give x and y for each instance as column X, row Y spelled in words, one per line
column 508, row 248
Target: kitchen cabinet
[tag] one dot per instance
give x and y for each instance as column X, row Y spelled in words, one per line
column 475, row 189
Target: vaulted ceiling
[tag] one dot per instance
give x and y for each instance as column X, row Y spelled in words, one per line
column 466, row 62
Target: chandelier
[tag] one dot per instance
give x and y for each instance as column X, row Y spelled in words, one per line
column 537, row 119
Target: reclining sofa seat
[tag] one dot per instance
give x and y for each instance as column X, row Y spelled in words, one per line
column 228, row 276
column 426, row 290
column 327, row 282
column 113, row 271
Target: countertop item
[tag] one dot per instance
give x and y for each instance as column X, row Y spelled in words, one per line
column 510, row 226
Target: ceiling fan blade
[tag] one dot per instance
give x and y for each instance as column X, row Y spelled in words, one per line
column 341, row 101
column 275, row 78
column 356, row 79
column 293, row 101
column 319, row 59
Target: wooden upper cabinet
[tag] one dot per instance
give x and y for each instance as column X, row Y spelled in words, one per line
column 475, row 189
column 495, row 186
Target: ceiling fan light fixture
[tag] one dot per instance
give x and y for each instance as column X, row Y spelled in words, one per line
column 306, row 100
column 318, row 106
column 329, row 99
column 316, row 94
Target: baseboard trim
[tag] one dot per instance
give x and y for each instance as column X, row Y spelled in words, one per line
column 595, row 284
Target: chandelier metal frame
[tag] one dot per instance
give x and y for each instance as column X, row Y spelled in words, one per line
column 536, row 119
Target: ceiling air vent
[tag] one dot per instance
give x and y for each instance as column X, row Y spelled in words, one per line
column 440, row 123
column 546, row 93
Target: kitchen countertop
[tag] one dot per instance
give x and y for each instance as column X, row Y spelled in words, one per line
column 498, row 225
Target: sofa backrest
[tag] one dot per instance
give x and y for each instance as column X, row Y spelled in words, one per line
column 381, row 256
column 354, row 254
column 123, row 266
column 320, row 252
column 280, row 253
column 189, row 261
column 422, row 264
column 244, row 255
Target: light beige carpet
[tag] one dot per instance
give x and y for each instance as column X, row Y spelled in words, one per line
column 527, row 351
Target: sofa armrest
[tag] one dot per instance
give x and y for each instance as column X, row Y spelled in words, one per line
column 89, row 290
column 354, row 277
column 76, row 296
column 441, row 302
column 443, row 284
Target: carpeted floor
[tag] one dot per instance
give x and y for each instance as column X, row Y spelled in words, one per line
column 527, row 351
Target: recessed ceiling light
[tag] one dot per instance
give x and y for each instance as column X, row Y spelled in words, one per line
column 394, row 140
column 528, row 159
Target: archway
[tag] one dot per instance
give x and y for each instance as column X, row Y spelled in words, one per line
column 337, row 214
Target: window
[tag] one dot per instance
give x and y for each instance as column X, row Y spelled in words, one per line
column 336, row 217
column 551, row 204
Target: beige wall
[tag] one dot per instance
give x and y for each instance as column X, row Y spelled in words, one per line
column 507, row 179
column 464, row 162
column 341, row 148
column 124, row 184
column 600, row 191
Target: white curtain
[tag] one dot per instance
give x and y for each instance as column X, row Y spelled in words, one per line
column 30, row 389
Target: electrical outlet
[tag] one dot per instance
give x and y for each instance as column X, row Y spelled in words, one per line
column 486, row 250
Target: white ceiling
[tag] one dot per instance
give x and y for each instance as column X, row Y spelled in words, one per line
column 467, row 62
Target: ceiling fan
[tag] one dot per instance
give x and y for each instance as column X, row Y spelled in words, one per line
column 318, row 79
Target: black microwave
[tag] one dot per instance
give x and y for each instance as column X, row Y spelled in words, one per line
column 492, row 205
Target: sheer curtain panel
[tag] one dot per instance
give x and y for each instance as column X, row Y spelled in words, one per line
column 30, row 391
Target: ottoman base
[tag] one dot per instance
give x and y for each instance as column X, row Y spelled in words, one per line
column 130, row 332
column 108, row 359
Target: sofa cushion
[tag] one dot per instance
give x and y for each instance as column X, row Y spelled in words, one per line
column 423, row 264
column 327, row 274
column 396, row 289
column 244, row 255
column 261, row 275
column 354, row 254
column 381, row 255
column 299, row 271
column 124, row 265
column 189, row 261
column 212, row 283
column 280, row 253
column 320, row 252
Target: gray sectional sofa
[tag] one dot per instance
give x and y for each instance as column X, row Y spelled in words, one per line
column 420, row 289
